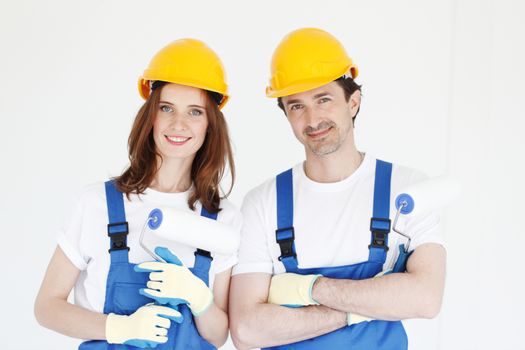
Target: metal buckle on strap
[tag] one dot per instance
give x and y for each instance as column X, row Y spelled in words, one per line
column 117, row 232
column 380, row 229
column 285, row 244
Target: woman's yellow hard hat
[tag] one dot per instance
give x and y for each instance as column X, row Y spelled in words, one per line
column 187, row 62
column 306, row 59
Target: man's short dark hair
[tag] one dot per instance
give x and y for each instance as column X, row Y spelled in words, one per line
column 348, row 85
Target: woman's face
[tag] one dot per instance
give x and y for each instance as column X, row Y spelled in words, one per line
column 181, row 122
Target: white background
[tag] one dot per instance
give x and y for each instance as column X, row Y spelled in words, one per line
column 443, row 92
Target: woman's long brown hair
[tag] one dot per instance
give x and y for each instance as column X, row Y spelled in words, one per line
column 208, row 166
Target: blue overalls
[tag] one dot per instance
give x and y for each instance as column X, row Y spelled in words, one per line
column 123, row 283
column 377, row 335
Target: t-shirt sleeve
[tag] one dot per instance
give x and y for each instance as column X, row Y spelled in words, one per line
column 424, row 228
column 70, row 235
column 254, row 255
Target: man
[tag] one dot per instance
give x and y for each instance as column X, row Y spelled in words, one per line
column 317, row 237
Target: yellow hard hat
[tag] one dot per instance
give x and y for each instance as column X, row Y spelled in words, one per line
column 306, row 59
column 187, row 62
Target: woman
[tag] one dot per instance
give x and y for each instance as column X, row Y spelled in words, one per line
column 178, row 148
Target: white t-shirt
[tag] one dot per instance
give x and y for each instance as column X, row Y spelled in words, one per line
column 331, row 222
column 85, row 241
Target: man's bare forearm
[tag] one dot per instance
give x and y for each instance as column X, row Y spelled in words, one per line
column 414, row 294
column 264, row 325
column 392, row 297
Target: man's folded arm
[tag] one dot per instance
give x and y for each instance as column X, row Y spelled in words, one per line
column 254, row 323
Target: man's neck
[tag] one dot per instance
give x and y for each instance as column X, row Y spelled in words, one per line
column 333, row 167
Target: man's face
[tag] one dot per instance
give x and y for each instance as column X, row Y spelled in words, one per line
column 321, row 118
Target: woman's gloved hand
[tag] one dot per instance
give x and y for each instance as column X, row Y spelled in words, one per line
column 145, row 328
column 173, row 283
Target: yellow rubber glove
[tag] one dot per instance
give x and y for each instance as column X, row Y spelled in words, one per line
column 145, row 328
column 173, row 283
column 291, row 289
column 294, row 290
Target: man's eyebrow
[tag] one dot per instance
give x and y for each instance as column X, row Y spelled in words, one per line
column 315, row 97
column 289, row 102
column 321, row 94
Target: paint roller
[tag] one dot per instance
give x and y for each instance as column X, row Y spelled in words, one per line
column 426, row 196
column 185, row 227
column 421, row 198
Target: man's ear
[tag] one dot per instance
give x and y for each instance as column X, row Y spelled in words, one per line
column 354, row 102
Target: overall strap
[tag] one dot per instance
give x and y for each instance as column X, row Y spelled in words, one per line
column 401, row 262
column 284, row 235
column 380, row 221
column 203, row 257
column 118, row 226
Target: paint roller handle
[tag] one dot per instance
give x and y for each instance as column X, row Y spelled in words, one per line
column 175, row 284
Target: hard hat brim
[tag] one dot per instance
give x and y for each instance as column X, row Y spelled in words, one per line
column 295, row 89
column 145, row 90
column 308, row 85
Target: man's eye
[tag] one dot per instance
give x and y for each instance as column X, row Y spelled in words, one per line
column 195, row 112
column 296, row 107
column 324, row 99
column 166, row 108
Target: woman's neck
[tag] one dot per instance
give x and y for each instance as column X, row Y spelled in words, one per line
column 173, row 175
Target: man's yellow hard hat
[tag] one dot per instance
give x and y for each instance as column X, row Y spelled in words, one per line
column 306, row 59
column 187, row 62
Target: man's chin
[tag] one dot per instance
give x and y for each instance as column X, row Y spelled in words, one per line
column 323, row 150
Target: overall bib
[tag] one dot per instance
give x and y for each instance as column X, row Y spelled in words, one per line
column 123, row 283
column 379, row 335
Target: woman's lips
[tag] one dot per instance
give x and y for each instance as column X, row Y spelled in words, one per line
column 177, row 140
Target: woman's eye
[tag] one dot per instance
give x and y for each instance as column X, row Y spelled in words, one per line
column 166, row 108
column 195, row 112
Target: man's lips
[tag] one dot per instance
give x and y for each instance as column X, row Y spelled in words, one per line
column 319, row 134
column 177, row 140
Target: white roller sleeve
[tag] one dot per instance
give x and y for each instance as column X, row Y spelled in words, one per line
column 194, row 230
column 428, row 195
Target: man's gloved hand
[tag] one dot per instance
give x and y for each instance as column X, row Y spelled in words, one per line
column 291, row 289
column 145, row 328
column 173, row 283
